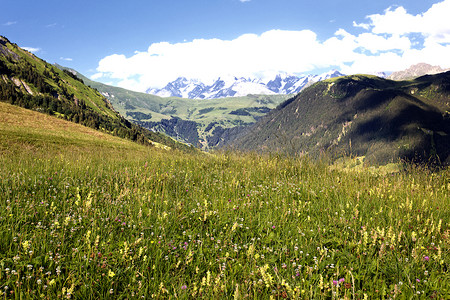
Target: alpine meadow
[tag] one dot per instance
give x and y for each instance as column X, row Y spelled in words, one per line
column 295, row 186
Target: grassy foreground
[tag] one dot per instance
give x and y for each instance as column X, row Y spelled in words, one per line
column 94, row 220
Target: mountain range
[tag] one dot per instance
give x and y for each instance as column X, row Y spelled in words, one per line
column 232, row 86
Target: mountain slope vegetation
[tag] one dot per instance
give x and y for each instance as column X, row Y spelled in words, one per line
column 361, row 115
column 30, row 82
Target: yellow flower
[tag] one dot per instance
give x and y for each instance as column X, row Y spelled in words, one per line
column 111, row 273
column 26, row 245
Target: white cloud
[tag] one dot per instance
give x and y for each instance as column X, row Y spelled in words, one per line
column 386, row 45
column 376, row 43
column 244, row 0
column 433, row 23
column 66, row 58
column 97, row 76
column 361, row 25
column 32, row 49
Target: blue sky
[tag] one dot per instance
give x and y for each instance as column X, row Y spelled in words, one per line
column 142, row 43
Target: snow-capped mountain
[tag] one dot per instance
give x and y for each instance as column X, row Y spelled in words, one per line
column 231, row 86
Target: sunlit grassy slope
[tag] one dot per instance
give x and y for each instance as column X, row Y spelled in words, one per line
column 85, row 215
column 22, row 129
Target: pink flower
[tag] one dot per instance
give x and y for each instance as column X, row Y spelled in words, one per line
column 426, row 258
column 335, row 282
column 183, row 287
column 273, row 227
column 342, row 280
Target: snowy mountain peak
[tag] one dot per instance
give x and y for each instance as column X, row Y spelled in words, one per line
column 233, row 86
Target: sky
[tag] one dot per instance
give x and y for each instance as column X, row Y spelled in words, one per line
column 137, row 44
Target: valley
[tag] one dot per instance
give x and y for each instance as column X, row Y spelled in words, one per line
column 339, row 192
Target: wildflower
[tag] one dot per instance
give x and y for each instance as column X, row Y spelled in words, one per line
column 426, row 258
column 26, row 245
column 183, row 287
column 341, row 280
column 335, row 282
column 111, row 273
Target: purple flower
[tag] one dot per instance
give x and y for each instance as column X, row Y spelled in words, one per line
column 418, row 280
column 426, row 258
column 183, row 287
column 342, row 280
column 335, row 282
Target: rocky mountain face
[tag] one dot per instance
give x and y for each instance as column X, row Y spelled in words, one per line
column 230, row 86
column 415, row 71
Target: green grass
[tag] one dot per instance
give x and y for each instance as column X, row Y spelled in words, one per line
column 98, row 218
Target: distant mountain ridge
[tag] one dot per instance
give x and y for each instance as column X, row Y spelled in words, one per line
column 415, row 71
column 231, row 86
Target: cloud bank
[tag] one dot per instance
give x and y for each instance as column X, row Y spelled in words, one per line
column 390, row 41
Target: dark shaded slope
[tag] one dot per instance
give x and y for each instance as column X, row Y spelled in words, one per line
column 361, row 115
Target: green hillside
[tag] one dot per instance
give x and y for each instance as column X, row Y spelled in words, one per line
column 203, row 123
column 380, row 120
column 30, row 82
